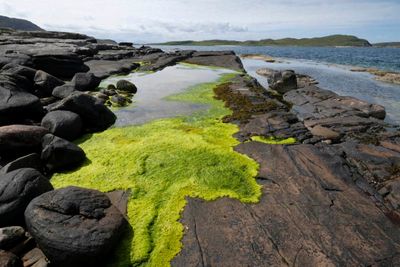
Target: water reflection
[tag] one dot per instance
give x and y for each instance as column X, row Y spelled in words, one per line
column 149, row 103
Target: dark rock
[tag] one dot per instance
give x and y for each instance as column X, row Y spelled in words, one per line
column 10, row 236
column 72, row 215
column 8, row 259
column 109, row 91
column 64, row 91
column 283, row 82
column 95, row 116
column 85, row 81
column 29, row 161
column 61, row 65
column 15, row 103
column 59, row 154
column 223, row 59
column 129, row 44
column 35, row 258
column 111, row 87
column 16, row 59
column 17, row 189
column 20, row 138
column 45, row 83
column 126, row 86
column 45, row 101
column 65, row 124
column 106, row 68
column 13, row 69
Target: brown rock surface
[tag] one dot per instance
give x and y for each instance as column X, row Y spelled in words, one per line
column 309, row 215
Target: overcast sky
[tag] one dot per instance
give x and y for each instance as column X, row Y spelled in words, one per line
column 164, row 20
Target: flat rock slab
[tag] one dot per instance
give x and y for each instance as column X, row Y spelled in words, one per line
column 309, row 215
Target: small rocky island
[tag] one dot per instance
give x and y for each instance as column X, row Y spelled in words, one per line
column 327, row 165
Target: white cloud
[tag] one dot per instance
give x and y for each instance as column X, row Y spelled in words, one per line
column 157, row 20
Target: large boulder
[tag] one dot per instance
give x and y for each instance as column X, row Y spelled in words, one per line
column 64, row 91
column 95, row 116
column 60, row 154
column 61, row 65
column 45, row 83
column 16, row 103
column 126, row 86
column 283, row 82
column 18, row 139
column 17, row 189
column 75, row 226
column 14, row 69
column 62, row 123
column 85, row 81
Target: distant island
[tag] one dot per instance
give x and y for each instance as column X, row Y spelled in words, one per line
column 332, row 40
column 388, row 44
column 18, row 24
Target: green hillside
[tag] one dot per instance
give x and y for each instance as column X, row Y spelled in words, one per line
column 18, row 24
column 332, row 40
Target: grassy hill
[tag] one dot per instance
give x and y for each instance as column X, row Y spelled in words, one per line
column 388, row 44
column 332, row 40
column 18, row 24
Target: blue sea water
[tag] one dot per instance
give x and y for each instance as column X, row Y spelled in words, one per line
column 380, row 58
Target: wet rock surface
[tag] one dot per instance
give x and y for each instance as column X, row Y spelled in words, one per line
column 82, row 217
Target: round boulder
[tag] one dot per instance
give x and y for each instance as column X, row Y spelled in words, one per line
column 95, row 116
column 62, row 123
column 85, row 81
column 74, row 226
column 45, row 82
column 60, row 154
column 17, row 189
column 126, row 86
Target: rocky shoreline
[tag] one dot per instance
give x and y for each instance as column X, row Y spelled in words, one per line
column 328, row 198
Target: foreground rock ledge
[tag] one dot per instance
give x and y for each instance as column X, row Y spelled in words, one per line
column 308, row 216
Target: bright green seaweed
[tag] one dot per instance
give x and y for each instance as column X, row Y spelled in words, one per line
column 162, row 162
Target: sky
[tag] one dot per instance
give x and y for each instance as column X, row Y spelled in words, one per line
column 146, row 21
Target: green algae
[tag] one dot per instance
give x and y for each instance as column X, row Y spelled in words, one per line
column 274, row 140
column 162, row 163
